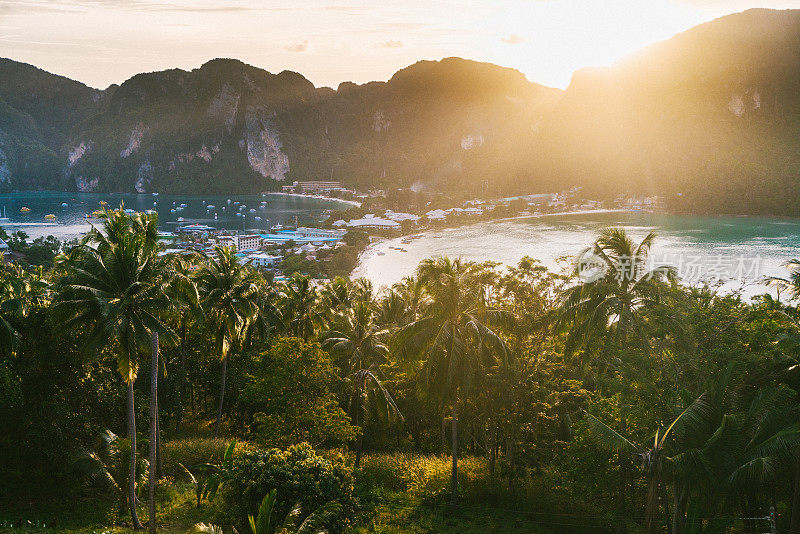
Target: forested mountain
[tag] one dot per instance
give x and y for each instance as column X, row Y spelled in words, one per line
column 709, row 119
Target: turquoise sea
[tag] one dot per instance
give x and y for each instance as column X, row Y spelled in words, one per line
column 735, row 252
column 70, row 221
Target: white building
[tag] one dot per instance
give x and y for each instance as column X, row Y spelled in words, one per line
column 399, row 216
column 261, row 259
column 436, row 215
column 241, row 242
column 317, row 232
column 371, row 221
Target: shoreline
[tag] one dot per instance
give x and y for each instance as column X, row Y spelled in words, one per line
column 568, row 213
column 371, row 249
column 353, row 203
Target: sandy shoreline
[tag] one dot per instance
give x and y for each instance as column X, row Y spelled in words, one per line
column 317, row 197
column 371, row 249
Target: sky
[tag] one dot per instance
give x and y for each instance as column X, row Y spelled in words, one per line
column 101, row 42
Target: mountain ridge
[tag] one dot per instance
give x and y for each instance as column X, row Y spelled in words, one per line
column 707, row 116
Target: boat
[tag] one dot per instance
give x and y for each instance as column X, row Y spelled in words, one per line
column 150, row 212
column 64, row 204
column 24, row 209
column 180, row 219
column 4, row 218
column 154, row 194
column 103, row 202
column 49, row 216
column 210, row 207
column 258, row 218
column 128, row 211
column 252, row 210
column 172, row 210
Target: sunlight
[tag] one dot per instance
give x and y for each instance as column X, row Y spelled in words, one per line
column 548, row 40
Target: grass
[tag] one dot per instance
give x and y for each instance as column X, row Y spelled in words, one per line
column 399, row 493
column 411, row 493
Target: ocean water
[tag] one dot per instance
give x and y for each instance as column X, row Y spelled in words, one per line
column 733, row 252
column 70, row 221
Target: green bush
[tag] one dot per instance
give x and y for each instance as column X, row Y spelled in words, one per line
column 299, row 474
column 290, row 396
column 191, row 452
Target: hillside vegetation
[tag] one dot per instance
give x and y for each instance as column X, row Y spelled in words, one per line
column 704, row 119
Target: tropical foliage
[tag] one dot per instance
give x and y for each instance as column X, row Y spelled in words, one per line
column 611, row 389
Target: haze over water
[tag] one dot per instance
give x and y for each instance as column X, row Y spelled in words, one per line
column 739, row 249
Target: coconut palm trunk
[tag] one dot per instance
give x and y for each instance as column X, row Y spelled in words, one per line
column 182, row 388
column 653, row 484
column 221, row 395
column 454, row 469
column 444, row 435
column 132, row 475
column 680, row 498
column 153, row 434
column 794, row 521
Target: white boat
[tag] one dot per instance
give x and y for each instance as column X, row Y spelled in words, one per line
column 210, row 207
column 4, row 218
column 258, row 218
column 154, row 194
column 180, row 219
column 64, row 204
column 172, row 210
column 252, row 210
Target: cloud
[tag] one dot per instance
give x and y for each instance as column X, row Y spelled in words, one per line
column 513, row 39
column 176, row 6
column 390, row 44
column 297, row 47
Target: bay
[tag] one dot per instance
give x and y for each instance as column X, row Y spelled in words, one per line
column 70, row 221
column 732, row 252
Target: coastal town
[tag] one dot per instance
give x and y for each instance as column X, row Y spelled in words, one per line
column 331, row 245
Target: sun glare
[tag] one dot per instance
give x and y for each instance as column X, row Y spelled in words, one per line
column 548, row 40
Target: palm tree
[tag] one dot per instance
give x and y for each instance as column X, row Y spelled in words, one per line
column 358, row 341
column 693, row 419
column 607, row 304
column 791, row 284
column 299, row 302
column 115, row 285
column 107, row 466
column 186, row 299
column 227, row 290
column 452, row 337
column 615, row 286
